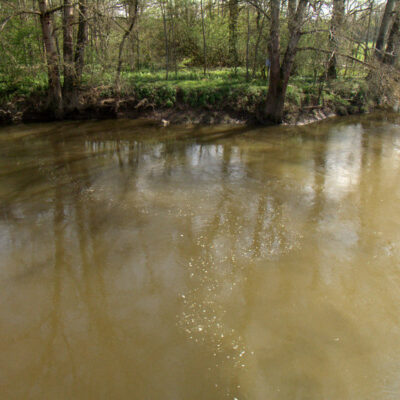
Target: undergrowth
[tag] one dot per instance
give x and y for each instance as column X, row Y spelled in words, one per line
column 218, row 89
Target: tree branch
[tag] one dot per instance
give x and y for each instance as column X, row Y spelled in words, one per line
column 339, row 54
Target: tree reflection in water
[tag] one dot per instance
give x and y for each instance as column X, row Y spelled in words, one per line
column 206, row 263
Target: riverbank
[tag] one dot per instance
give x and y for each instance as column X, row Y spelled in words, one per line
column 194, row 101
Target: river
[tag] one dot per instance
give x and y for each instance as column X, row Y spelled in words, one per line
column 179, row 263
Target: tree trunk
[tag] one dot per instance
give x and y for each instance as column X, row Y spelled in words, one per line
column 204, row 38
column 247, row 44
column 392, row 48
column 137, row 51
column 280, row 74
column 371, row 6
column 274, row 96
column 233, row 19
column 260, row 30
column 68, row 54
column 164, row 18
column 292, row 5
column 81, row 40
column 384, row 27
column 336, row 24
column 54, row 94
column 171, row 13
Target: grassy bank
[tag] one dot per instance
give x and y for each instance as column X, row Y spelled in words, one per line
column 220, row 91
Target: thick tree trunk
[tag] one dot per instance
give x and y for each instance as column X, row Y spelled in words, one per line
column 383, row 29
column 292, row 5
column 81, row 40
column 68, row 54
column 233, row 20
column 392, row 48
column 274, row 96
column 280, row 74
column 248, row 44
column 336, row 24
column 55, row 94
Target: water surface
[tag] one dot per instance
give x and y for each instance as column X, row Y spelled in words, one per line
column 209, row 263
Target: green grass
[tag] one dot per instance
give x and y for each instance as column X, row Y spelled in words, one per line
column 218, row 89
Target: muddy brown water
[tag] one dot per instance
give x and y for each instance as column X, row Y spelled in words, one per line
column 207, row 263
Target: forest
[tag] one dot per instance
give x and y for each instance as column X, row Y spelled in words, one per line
column 261, row 58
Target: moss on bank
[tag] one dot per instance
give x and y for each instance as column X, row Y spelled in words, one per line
column 184, row 95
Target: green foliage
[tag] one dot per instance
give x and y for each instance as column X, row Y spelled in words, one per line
column 294, row 95
column 21, row 85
